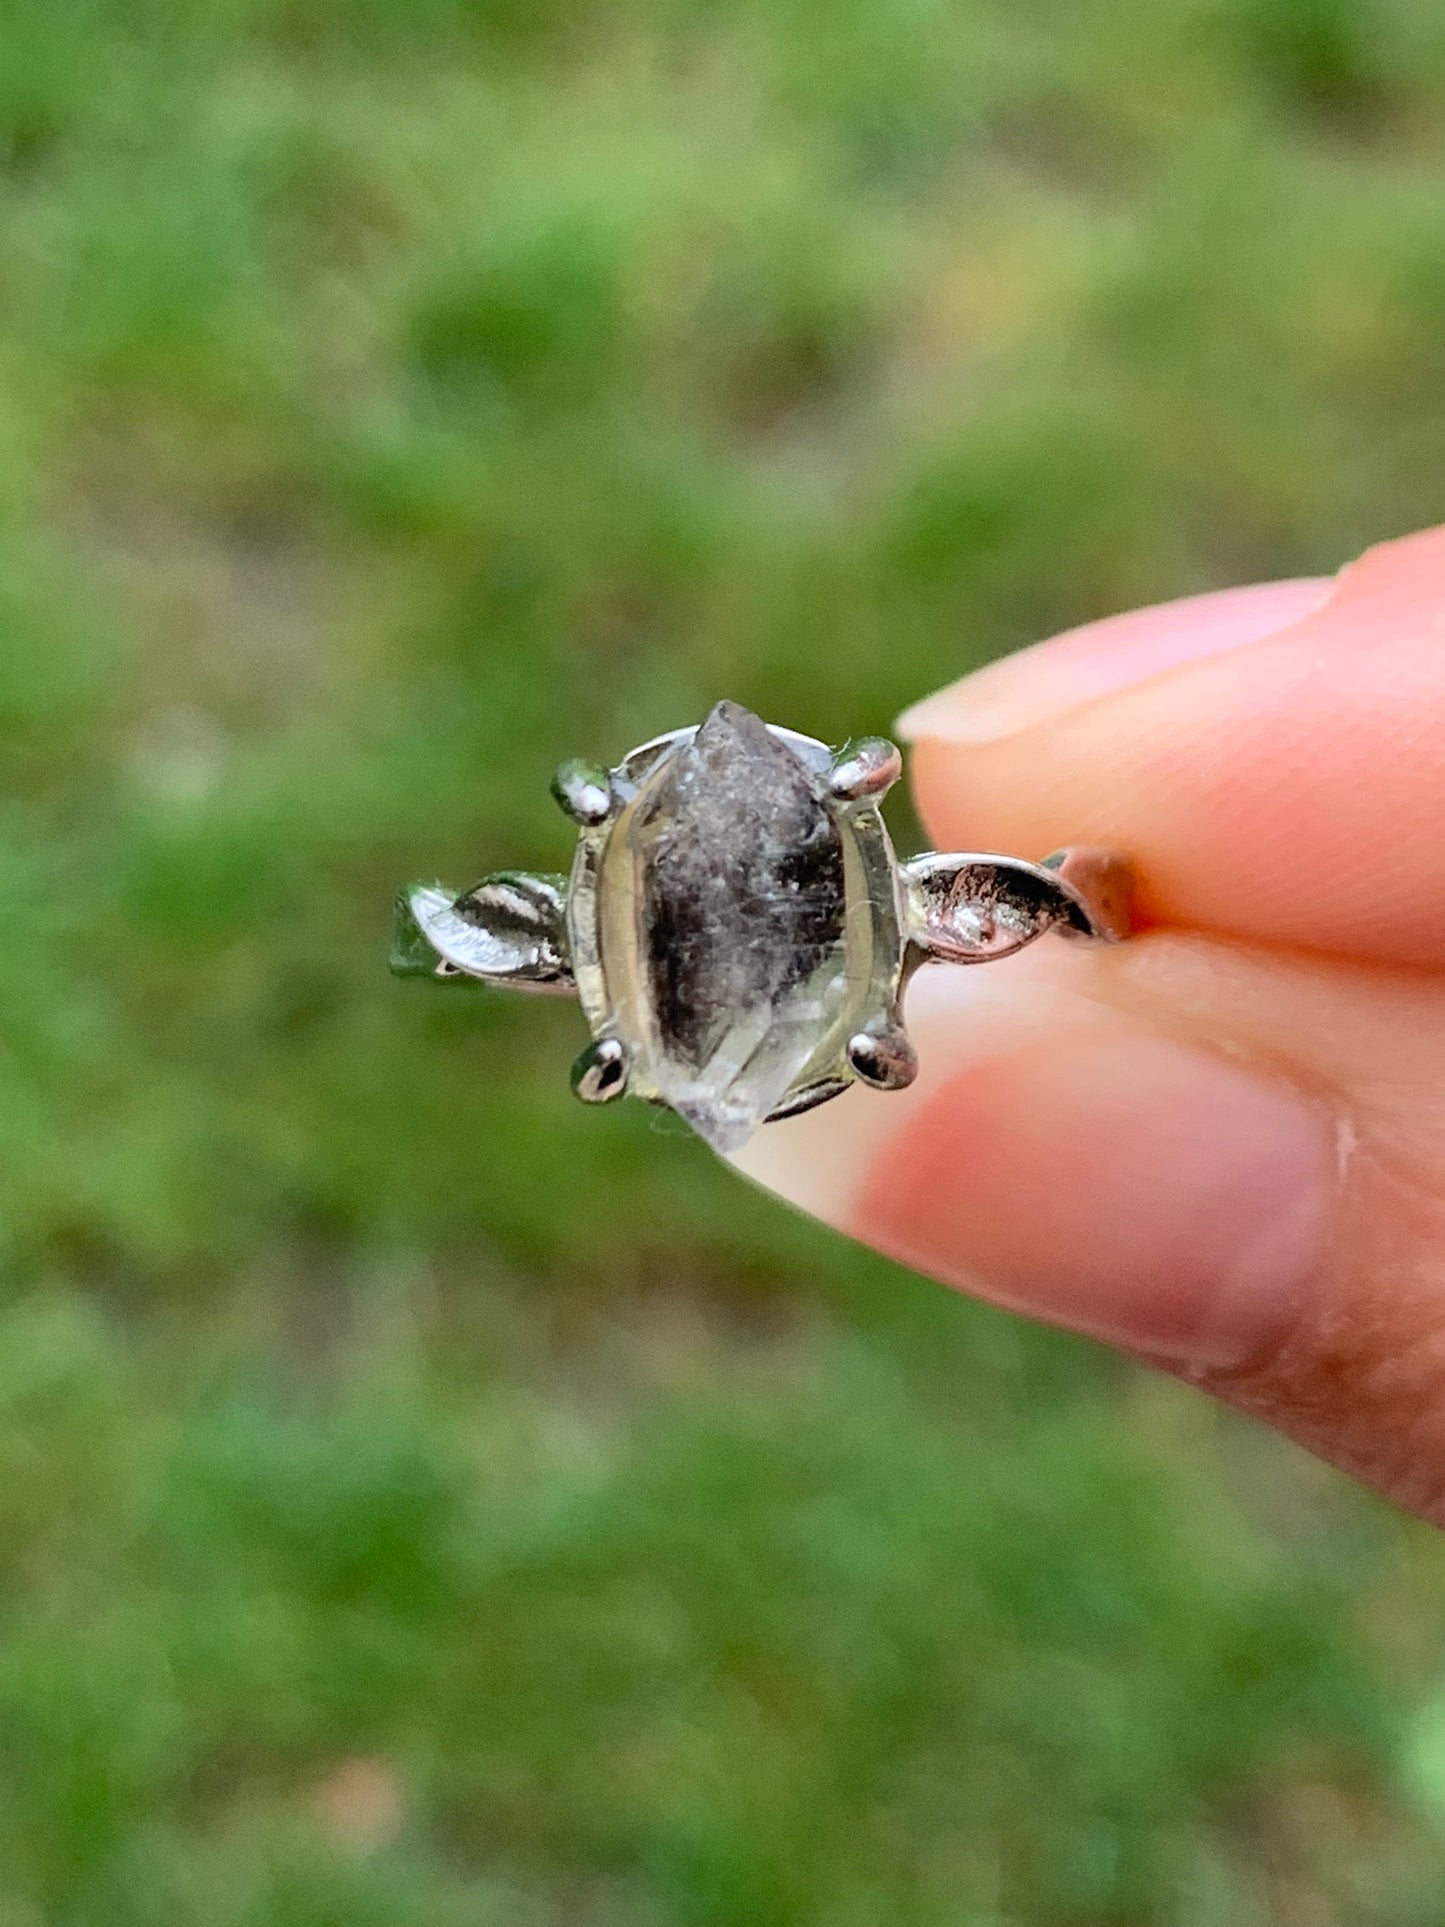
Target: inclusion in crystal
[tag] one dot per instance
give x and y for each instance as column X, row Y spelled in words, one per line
column 724, row 926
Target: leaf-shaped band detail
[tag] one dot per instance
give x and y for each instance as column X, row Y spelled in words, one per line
column 972, row 908
column 511, row 929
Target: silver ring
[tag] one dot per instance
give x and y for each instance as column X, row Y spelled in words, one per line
column 737, row 926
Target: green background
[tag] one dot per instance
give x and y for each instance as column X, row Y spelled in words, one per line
column 424, row 1503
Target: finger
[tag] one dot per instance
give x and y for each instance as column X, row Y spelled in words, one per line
column 1282, row 784
column 1227, row 1162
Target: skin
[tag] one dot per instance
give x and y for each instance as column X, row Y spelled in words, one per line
column 1220, row 1147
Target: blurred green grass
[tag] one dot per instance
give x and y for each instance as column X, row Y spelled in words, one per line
column 421, row 1501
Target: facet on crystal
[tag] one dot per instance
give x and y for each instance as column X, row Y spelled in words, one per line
column 735, row 936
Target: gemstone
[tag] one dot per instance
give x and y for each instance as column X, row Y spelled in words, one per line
column 724, row 927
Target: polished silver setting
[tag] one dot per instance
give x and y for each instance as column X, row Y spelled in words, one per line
column 860, row 921
column 868, row 768
column 584, row 791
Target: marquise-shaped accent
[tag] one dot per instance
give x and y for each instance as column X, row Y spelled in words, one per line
column 511, row 929
column 973, row 909
column 722, row 926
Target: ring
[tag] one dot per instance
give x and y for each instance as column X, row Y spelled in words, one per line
column 737, row 927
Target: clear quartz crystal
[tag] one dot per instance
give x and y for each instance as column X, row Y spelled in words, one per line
column 724, row 926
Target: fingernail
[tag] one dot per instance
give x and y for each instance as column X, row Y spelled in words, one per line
column 1082, row 664
column 1127, row 1186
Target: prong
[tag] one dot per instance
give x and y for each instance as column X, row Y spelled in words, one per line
column 883, row 1056
column 869, row 767
column 584, row 791
column 600, row 1073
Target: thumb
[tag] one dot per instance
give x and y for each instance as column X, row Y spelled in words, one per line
column 1225, row 1158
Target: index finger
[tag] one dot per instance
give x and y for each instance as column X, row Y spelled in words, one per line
column 1289, row 789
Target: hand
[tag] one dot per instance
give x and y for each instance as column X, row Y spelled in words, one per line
column 1221, row 1146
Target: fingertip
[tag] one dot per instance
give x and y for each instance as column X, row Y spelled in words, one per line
column 822, row 1162
column 1063, row 1159
column 1123, row 1184
column 1279, row 784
